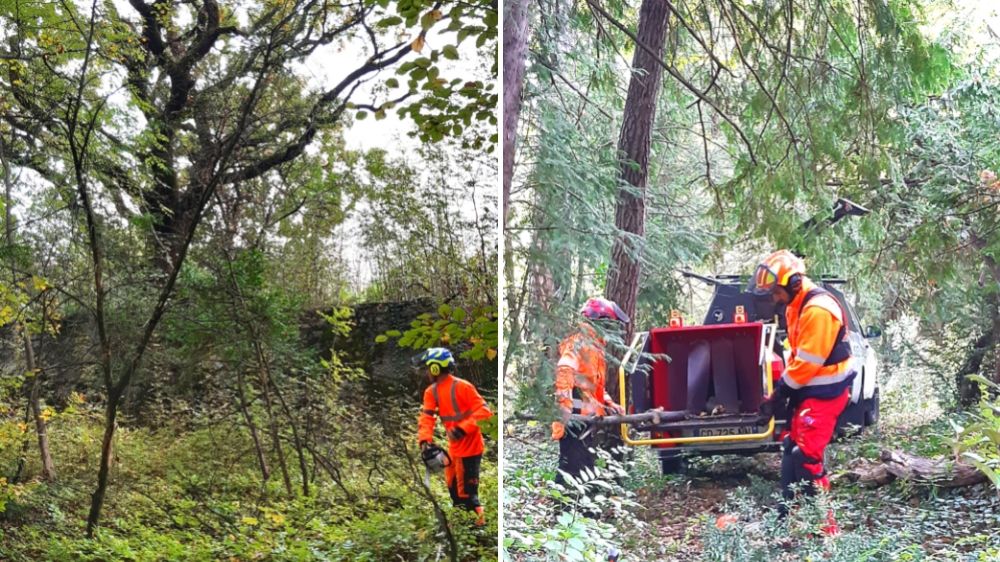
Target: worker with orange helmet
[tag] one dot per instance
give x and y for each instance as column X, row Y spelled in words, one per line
column 817, row 380
column 459, row 405
column 580, row 385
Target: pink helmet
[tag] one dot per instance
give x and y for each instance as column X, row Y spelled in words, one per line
column 598, row 307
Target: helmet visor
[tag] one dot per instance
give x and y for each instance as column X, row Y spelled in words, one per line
column 764, row 281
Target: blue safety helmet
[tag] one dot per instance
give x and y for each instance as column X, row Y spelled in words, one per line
column 436, row 359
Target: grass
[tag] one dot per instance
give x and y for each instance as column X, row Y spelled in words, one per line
column 195, row 494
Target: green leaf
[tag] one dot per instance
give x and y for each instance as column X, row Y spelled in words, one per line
column 381, row 338
column 490, row 427
column 389, row 21
column 985, row 469
column 450, row 52
column 444, row 310
column 361, row 115
column 983, row 380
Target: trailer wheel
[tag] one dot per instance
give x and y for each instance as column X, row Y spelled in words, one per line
column 673, row 465
column 872, row 412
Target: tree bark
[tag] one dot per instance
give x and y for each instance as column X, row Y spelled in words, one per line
column 968, row 391
column 34, row 399
column 104, row 470
column 633, row 148
column 515, row 46
column 275, row 433
column 265, row 472
column 296, row 438
column 919, row 470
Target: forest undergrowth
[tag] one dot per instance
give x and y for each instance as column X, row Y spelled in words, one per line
column 191, row 490
column 677, row 516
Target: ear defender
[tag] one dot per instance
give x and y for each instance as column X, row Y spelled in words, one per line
column 794, row 283
column 435, row 369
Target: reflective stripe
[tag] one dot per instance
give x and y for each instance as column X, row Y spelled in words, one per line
column 569, row 361
column 790, row 381
column 830, row 379
column 459, row 415
column 587, row 407
column 827, row 303
column 818, row 380
column 821, row 380
column 809, row 357
column 825, row 300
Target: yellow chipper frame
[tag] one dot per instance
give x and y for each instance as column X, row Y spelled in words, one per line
column 699, row 388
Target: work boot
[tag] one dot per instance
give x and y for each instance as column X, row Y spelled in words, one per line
column 480, row 517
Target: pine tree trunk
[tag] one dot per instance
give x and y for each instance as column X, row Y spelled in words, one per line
column 515, row 45
column 633, row 148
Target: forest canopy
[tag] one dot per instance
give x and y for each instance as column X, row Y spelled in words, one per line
column 213, row 279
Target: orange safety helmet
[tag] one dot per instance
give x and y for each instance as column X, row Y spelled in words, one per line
column 780, row 268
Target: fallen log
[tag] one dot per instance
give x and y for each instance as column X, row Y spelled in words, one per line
column 939, row 472
column 943, row 473
column 869, row 474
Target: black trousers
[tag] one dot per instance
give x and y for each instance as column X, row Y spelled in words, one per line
column 462, row 477
column 575, row 455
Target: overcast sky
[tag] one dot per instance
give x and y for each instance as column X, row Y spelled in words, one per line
column 328, row 66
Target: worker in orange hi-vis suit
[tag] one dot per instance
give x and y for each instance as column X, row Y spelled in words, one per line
column 817, row 380
column 580, row 386
column 459, row 405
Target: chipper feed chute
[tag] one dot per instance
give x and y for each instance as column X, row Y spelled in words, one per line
column 696, row 379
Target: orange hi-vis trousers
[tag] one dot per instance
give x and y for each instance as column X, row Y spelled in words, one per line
column 462, row 477
column 813, row 424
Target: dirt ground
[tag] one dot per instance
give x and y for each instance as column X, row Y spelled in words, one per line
column 677, row 509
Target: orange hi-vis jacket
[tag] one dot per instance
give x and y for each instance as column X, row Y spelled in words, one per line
column 582, row 367
column 458, row 404
column 813, row 331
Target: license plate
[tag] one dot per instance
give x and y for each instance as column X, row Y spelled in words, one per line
column 721, row 431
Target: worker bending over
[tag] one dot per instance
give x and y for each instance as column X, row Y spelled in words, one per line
column 580, row 380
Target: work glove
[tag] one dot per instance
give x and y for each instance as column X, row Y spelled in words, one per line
column 573, row 428
column 776, row 402
column 558, row 431
column 456, row 434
